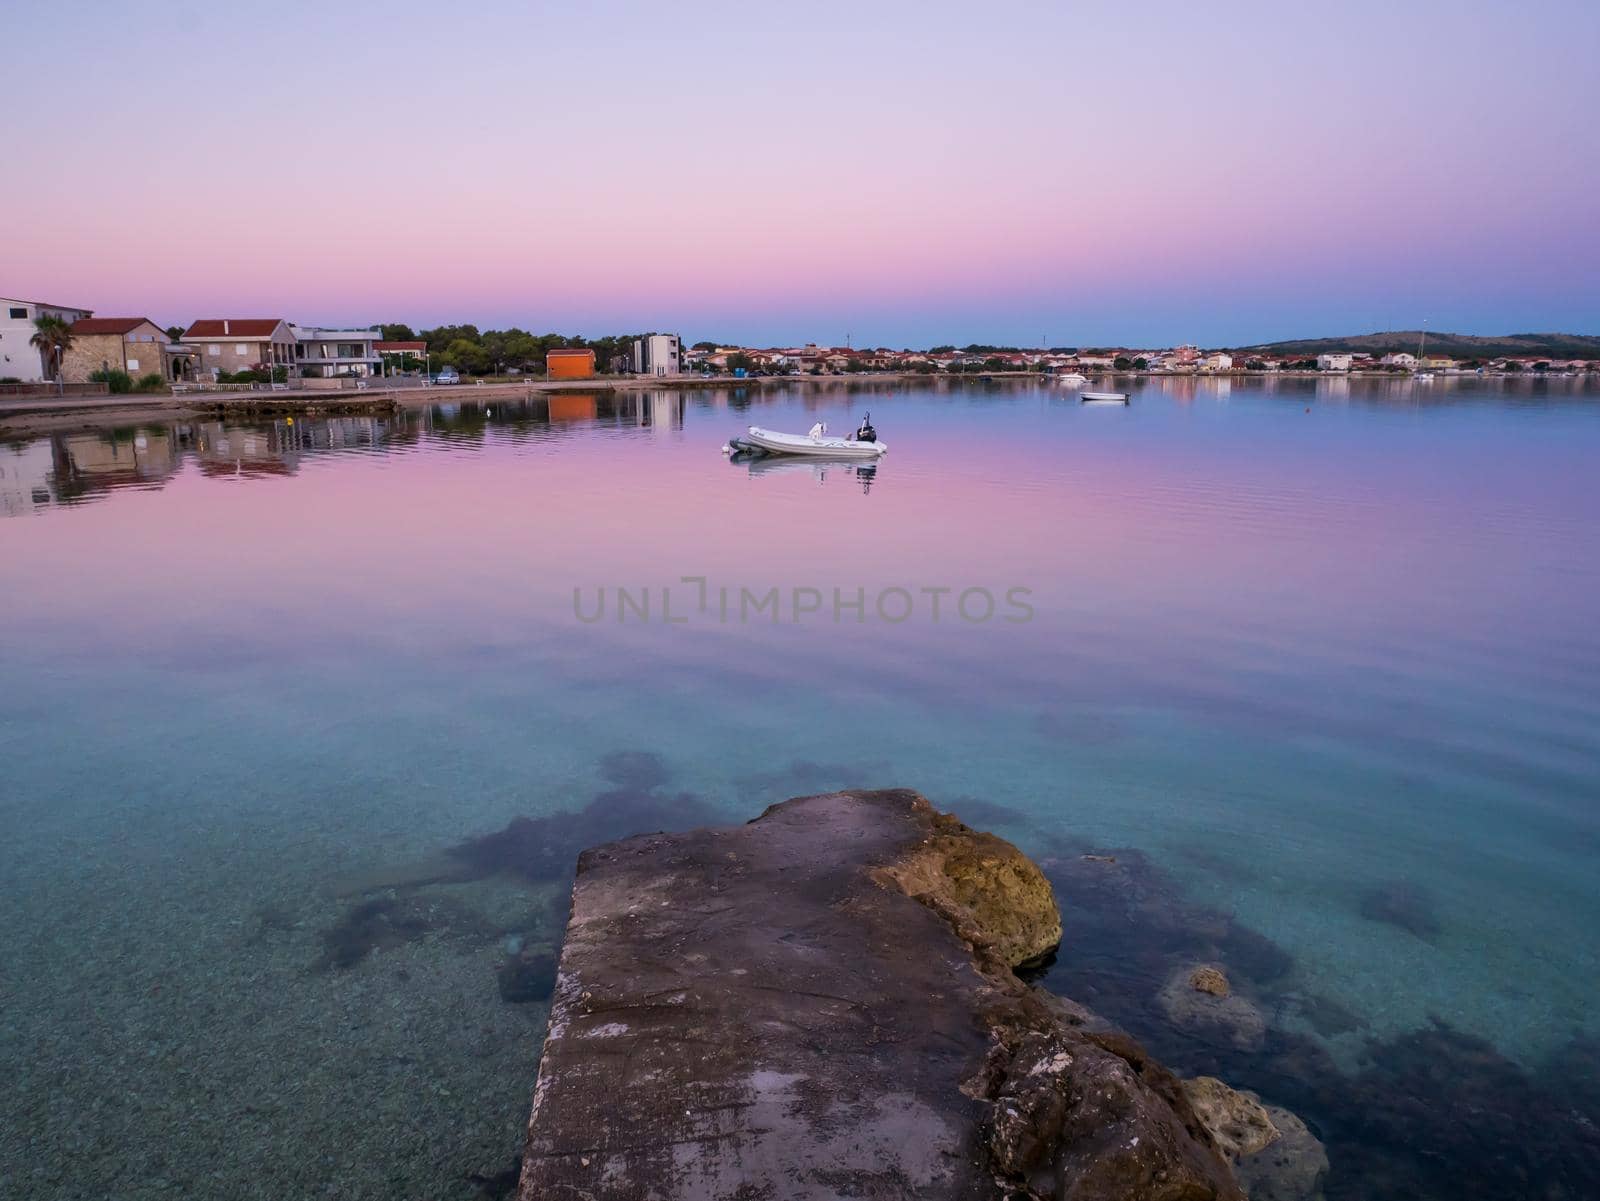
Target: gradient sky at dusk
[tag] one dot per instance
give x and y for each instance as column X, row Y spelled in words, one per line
column 903, row 173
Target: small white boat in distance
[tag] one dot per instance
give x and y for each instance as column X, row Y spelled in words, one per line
column 817, row 442
column 1072, row 379
column 1104, row 398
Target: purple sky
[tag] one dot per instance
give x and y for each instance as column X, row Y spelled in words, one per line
column 901, row 173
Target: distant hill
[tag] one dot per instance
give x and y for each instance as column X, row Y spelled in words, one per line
column 1461, row 346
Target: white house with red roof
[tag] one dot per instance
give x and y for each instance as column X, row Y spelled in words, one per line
column 398, row 355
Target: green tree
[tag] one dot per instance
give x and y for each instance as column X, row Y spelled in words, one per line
column 1122, row 363
column 493, row 344
column 522, row 350
column 439, row 339
column 1141, row 364
column 174, row 333
column 51, row 337
column 397, row 333
column 740, row 359
column 706, row 346
column 466, row 355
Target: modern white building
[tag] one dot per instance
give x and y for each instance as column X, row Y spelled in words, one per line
column 1400, row 359
column 658, row 354
column 1219, row 361
column 19, row 358
column 330, row 352
column 1334, row 362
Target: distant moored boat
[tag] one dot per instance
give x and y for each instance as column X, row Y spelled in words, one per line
column 1422, row 375
column 1104, row 398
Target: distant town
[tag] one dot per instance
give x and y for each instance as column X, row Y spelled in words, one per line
column 45, row 346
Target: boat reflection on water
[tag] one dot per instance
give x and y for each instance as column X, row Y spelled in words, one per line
column 821, row 468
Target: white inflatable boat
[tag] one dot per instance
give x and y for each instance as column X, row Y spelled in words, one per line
column 816, row 443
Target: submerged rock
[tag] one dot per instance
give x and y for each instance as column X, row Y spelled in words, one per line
column 525, row 976
column 1219, row 1015
column 542, row 850
column 383, row 923
column 1404, row 905
column 821, row 1003
column 1209, row 979
column 1275, row 1156
column 1291, row 1168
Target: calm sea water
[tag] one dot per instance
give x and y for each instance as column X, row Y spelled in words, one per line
column 1325, row 652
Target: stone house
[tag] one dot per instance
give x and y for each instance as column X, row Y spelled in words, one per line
column 136, row 345
column 240, row 344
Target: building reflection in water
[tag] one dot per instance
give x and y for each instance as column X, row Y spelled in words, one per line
column 77, row 467
column 25, row 473
column 573, row 406
column 86, row 463
column 661, row 410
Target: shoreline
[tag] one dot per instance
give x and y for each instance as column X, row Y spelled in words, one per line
column 45, row 414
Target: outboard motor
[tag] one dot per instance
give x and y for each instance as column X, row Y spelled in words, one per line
column 866, row 433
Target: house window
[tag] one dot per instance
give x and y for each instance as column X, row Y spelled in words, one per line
column 19, row 313
column 241, row 348
column 133, row 364
column 213, row 349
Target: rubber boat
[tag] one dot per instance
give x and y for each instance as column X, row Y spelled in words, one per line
column 816, row 443
column 1104, row 398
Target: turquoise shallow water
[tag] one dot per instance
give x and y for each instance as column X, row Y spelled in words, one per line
column 1324, row 652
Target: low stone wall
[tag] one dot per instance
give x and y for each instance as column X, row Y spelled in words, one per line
column 45, row 389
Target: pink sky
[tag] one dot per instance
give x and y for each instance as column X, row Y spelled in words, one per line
column 904, row 174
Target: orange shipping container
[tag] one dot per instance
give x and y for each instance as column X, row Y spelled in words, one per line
column 570, row 364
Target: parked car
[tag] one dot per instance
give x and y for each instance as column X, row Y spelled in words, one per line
column 448, row 376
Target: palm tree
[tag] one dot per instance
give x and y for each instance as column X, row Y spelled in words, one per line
column 51, row 336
